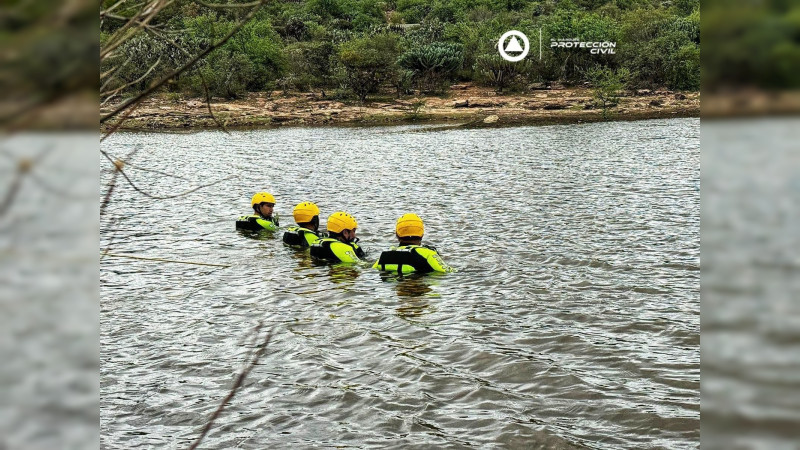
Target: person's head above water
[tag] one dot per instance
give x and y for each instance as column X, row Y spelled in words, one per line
column 306, row 215
column 342, row 226
column 409, row 229
column 262, row 203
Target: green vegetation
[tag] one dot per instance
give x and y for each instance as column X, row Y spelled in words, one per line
column 355, row 48
column 495, row 71
column 432, row 64
column 752, row 44
column 607, row 86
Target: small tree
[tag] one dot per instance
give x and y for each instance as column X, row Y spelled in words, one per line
column 432, row 64
column 499, row 73
column 607, row 84
column 368, row 61
column 403, row 82
column 309, row 64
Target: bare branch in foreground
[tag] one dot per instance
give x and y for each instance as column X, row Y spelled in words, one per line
column 11, row 194
column 138, row 98
column 256, row 355
column 118, row 164
column 145, row 169
column 116, row 91
column 175, row 45
column 24, row 167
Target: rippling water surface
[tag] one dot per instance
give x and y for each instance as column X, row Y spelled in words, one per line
column 751, row 284
column 573, row 319
column 49, row 343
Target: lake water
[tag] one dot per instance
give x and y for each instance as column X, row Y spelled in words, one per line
column 573, row 320
column 751, row 284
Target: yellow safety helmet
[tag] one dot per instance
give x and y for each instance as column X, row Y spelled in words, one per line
column 262, row 197
column 410, row 225
column 304, row 212
column 340, row 220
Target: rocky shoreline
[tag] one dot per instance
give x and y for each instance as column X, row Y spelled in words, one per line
column 464, row 105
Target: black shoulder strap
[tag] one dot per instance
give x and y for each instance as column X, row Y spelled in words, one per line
column 322, row 249
column 293, row 237
column 248, row 223
column 404, row 257
column 430, row 247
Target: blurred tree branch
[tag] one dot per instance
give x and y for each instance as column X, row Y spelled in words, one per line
column 47, row 74
column 253, row 361
column 141, row 21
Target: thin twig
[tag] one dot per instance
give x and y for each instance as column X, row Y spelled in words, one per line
column 110, row 73
column 111, row 223
column 257, row 354
column 119, row 123
column 13, row 190
column 160, row 35
column 226, row 5
column 132, row 101
column 24, row 167
column 125, row 33
column 157, row 197
column 111, row 184
column 109, row 94
column 145, row 169
column 109, row 191
column 118, row 255
column 62, row 193
column 208, row 102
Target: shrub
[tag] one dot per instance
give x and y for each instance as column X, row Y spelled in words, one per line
column 225, row 74
column 569, row 65
column 495, row 71
column 432, row 64
column 309, row 64
column 664, row 61
column 403, row 82
column 326, row 9
column 367, row 62
column 259, row 42
column 662, row 49
column 607, row 84
column 295, row 29
column 414, row 11
column 684, row 68
column 140, row 53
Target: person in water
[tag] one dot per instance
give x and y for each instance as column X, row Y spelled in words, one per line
column 341, row 244
column 306, row 215
column 411, row 256
column 263, row 219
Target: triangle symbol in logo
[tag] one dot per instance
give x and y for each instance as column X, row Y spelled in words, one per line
column 513, row 45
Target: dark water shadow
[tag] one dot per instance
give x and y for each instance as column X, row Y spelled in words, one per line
column 413, row 294
column 261, row 235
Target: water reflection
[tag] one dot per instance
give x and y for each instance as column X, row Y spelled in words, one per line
column 413, row 292
column 261, row 235
column 302, row 258
column 343, row 275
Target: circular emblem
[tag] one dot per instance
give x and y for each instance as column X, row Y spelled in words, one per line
column 513, row 46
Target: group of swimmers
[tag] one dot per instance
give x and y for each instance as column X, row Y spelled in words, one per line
column 339, row 243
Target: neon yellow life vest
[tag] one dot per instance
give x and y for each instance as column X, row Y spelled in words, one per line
column 333, row 250
column 300, row 237
column 411, row 258
column 255, row 222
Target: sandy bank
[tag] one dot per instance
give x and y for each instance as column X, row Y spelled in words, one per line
column 464, row 104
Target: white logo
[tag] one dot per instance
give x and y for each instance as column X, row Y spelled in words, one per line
column 595, row 48
column 513, row 46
